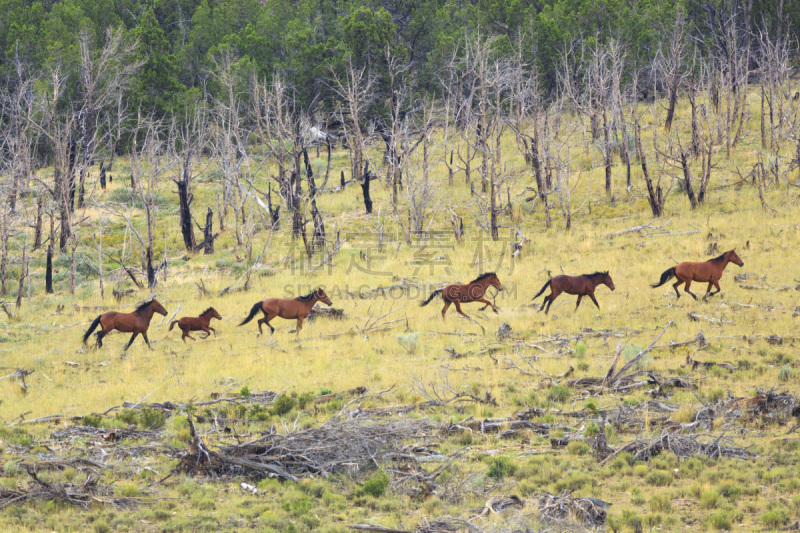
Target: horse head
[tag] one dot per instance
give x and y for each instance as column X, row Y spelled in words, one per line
column 608, row 281
column 734, row 258
column 212, row 313
column 494, row 281
column 322, row 297
column 156, row 306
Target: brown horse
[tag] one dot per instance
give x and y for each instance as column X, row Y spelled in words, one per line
column 298, row 308
column 471, row 292
column 197, row 323
column 583, row 285
column 706, row 272
column 136, row 322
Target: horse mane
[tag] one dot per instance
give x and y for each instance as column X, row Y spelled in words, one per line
column 206, row 311
column 483, row 276
column 143, row 306
column 594, row 274
column 307, row 297
column 720, row 258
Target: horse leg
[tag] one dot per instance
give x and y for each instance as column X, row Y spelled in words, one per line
column 183, row 337
column 551, row 299
column 488, row 303
column 708, row 289
column 591, row 295
column 100, row 335
column 208, row 331
column 187, row 334
column 686, row 289
column 445, row 308
column 299, row 324
column 458, row 308
column 580, row 297
column 676, row 285
column 144, row 334
column 135, row 333
column 716, row 284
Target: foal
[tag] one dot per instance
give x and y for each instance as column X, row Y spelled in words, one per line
column 582, row 285
column 471, row 292
column 200, row 323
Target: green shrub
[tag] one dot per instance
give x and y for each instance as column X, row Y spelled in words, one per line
column 718, row 520
column 282, row 405
column 576, row 447
column 774, row 518
column 660, row 502
column 152, row 418
column 128, row 416
column 305, row 399
column 786, row 373
column 658, row 478
column 501, row 467
column 558, row 394
column 245, row 393
column 580, row 349
column 408, row 341
column 92, row 420
column 709, row 499
column 375, row 485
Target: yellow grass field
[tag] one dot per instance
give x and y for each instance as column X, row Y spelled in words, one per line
column 388, row 342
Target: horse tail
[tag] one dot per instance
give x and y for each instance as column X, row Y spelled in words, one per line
column 665, row 277
column 172, row 324
column 433, row 295
column 91, row 329
column 543, row 289
column 253, row 312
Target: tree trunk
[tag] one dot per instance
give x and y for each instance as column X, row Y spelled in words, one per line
column 607, row 151
column 37, row 229
column 687, row 179
column 23, row 271
column 208, row 233
column 318, row 240
column 365, row 189
column 654, row 194
column 151, row 273
column 102, row 176
column 4, row 258
column 73, row 266
column 48, row 274
column 185, row 198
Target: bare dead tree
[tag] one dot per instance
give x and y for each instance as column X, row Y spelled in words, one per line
column 104, row 75
column 670, row 65
column 355, row 93
column 527, row 122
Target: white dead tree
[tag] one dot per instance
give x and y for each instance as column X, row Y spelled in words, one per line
column 104, row 76
column 355, row 94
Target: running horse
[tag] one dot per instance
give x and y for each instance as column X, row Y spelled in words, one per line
column 471, row 292
column 706, row 272
column 136, row 323
column 197, row 323
column 298, row 308
column 583, row 285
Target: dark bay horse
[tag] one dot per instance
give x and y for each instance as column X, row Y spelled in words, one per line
column 197, row 323
column 136, row 322
column 583, row 285
column 471, row 292
column 706, row 272
column 298, row 308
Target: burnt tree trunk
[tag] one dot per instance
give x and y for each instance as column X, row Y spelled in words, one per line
column 37, row 230
column 275, row 214
column 102, row 175
column 23, row 272
column 318, row 239
column 365, row 189
column 341, row 180
column 185, row 198
column 687, row 179
column 607, row 151
column 208, row 233
column 655, row 195
column 48, row 274
column 151, row 273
